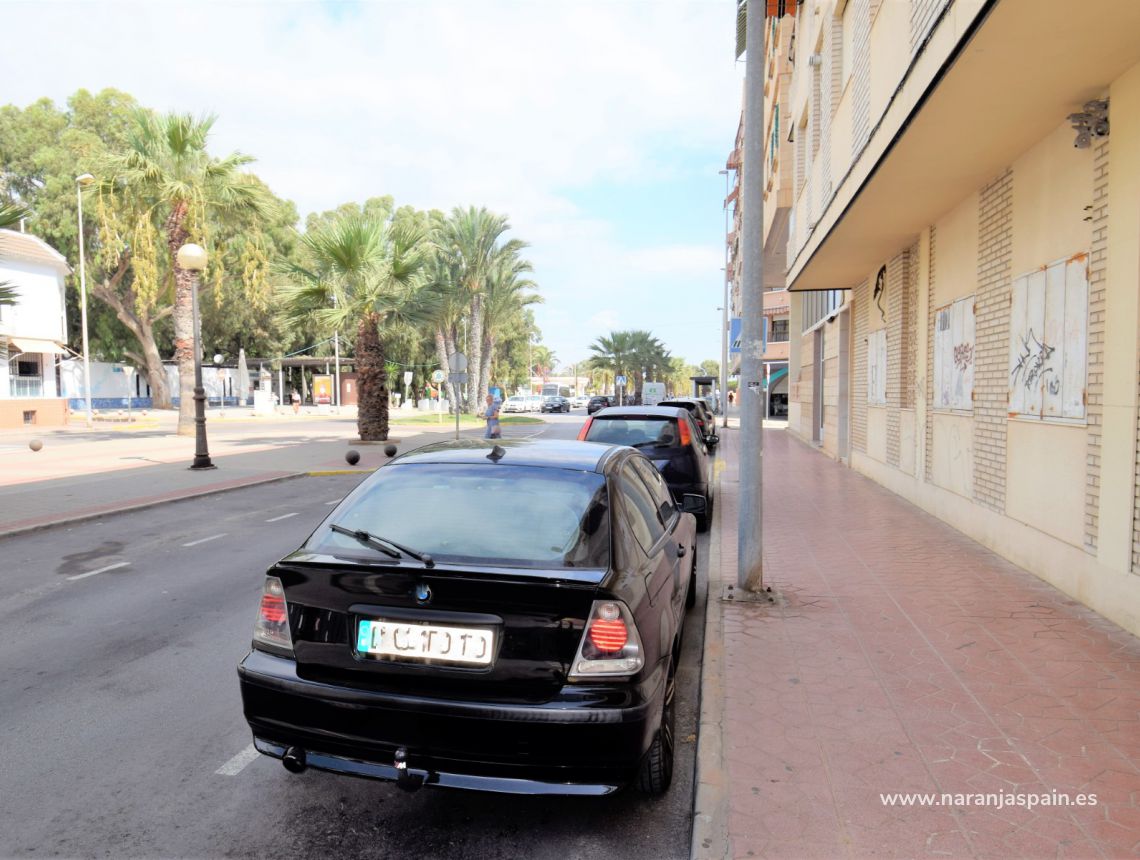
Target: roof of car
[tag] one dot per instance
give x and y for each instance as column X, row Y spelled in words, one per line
column 647, row 411
column 547, row 453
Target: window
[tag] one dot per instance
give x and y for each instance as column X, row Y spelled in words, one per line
column 819, row 305
column 877, row 367
column 1048, row 337
column 954, row 355
column 848, row 48
column 641, row 509
column 666, row 509
column 779, row 331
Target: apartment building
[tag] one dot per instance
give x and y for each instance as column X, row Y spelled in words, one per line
column 779, row 40
column 963, row 262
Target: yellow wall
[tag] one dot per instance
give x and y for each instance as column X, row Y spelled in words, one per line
column 956, row 253
column 1045, row 476
column 953, row 466
column 890, row 53
column 1052, row 183
column 877, row 432
column 1122, row 322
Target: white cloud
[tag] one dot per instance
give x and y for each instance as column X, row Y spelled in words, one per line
column 511, row 105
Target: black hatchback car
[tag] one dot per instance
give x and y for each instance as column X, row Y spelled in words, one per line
column 669, row 437
column 502, row 618
column 702, row 415
column 600, row 401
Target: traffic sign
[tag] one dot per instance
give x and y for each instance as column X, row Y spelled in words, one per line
column 619, row 380
column 457, row 362
column 437, row 376
column 407, row 377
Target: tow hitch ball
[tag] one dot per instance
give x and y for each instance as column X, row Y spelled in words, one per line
column 405, row 779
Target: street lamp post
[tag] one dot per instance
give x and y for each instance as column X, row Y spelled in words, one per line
column 80, row 182
column 192, row 258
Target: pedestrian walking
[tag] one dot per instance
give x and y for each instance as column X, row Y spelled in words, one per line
column 296, row 401
column 491, row 414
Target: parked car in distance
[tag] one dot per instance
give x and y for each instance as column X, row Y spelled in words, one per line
column 514, row 403
column 599, row 401
column 580, row 401
column 555, row 403
column 528, row 646
column 669, row 437
column 702, row 415
column 533, row 402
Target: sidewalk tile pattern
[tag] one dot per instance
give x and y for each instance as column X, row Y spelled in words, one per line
column 900, row 656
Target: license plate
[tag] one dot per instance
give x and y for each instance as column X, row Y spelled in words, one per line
column 469, row 646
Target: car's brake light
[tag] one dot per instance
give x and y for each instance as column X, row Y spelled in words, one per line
column 610, row 646
column 686, row 436
column 272, row 627
column 585, row 429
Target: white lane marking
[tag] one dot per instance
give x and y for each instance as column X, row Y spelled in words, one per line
column 100, row 570
column 206, row 539
column 237, row 764
column 282, row 517
column 334, row 502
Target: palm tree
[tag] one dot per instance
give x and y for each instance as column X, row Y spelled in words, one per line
column 167, row 169
column 469, row 243
column 544, row 360
column 366, row 272
column 508, row 294
column 10, row 215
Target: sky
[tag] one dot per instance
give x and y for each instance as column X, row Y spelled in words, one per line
column 597, row 126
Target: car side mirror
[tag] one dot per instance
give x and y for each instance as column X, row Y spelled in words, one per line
column 714, row 439
column 691, row 503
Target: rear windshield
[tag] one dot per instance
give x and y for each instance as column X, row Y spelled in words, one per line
column 692, row 407
column 513, row 516
column 639, row 432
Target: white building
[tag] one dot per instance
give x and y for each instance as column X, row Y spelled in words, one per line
column 32, row 332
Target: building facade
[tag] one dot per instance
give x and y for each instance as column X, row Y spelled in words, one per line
column 963, row 261
column 33, row 332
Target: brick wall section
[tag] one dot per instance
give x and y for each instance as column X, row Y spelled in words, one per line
column 991, row 342
column 860, row 308
column 802, row 390
column 1098, row 261
column 861, row 78
column 1136, row 500
column 910, row 303
column 928, row 465
column 922, row 15
column 897, row 338
column 832, row 71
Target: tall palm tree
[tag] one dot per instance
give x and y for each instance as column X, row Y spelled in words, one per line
column 167, row 168
column 364, row 272
column 10, row 215
column 508, row 294
column 470, row 245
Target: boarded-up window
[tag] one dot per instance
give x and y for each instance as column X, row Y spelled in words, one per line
column 954, row 355
column 877, row 367
column 1048, row 337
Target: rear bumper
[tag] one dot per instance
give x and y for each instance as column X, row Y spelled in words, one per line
column 574, row 744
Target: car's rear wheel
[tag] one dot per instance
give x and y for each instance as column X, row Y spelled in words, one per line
column 657, row 767
column 691, row 594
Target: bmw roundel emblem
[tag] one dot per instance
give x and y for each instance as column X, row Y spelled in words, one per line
column 423, row 593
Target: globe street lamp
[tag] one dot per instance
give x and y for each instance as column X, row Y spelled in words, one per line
column 80, row 182
column 218, row 359
column 192, row 258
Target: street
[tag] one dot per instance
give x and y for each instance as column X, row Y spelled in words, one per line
column 123, row 728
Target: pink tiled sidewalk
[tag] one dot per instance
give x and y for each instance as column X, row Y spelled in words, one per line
column 900, row 656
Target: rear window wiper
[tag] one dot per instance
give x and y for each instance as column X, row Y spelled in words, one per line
column 385, row 545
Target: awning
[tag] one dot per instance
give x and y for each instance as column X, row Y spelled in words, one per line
column 783, row 371
column 33, row 344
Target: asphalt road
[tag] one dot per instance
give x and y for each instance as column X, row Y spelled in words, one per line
column 121, row 718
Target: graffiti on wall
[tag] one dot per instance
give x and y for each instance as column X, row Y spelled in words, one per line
column 954, row 355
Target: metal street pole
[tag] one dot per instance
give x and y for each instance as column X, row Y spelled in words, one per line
column 80, row 181
column 750, row 554
column 724, row 317
column 193, row 258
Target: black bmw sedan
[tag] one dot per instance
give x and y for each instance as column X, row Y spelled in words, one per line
column 501, row 617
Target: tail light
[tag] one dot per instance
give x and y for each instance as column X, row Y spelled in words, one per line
column 611, row 646
column 271, row 632
column 686, row 436
column 585, row 429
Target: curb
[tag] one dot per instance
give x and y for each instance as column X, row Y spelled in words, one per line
column 324, row 473
column 710, row 801
column 149, row 503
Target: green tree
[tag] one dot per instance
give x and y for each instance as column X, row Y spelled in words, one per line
column 10, row 215
column 710, row 367
column 172, row 186
column 359, row 271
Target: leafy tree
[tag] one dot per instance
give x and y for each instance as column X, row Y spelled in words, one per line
column 637, row 355
column 360, row 271
column 709, row 367
column 171, row 186
column 10, row 215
